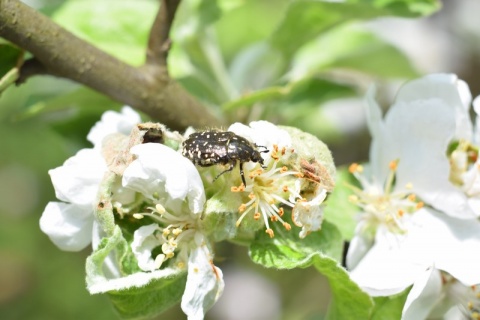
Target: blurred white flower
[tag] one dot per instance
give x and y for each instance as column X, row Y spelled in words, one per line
column 397, row 239
column 113, row 122
column 437, row 295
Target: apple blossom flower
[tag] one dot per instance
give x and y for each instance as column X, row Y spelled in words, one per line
column 276, row 183
column 69, row 224
column 436, row 294
column 399, row 236
column 174, row 198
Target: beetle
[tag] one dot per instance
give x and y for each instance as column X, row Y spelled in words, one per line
column 208, row 148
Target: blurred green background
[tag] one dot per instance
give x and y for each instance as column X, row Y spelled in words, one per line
column 298, row 63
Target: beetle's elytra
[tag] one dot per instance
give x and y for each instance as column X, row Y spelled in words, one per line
column 209, row 148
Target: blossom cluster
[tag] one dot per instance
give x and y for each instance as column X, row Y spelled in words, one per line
column 419, row 199
column 147, row 210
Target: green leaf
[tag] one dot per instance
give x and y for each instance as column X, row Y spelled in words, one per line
column 82, row 99
column 120, row 28
column 307, row 19
column 287, row 251
column 247, row 100
column 10, row 58
column 351, row 47
column 256, row 66
column 294, row 95
column 234, row 31
column 339, row 210
column 406, row 8
column 348, row 300
column 151, row 300
column 322, row 249
column 389, row 307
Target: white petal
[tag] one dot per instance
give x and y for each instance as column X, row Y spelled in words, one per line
column 450, row 244
column 262, row 133
column 445, row 87
column 67, row 225
column 416, row 131
column 113, row 122
column 142, row 245
column 77, row 180
column 476, row 107
column 204, row 284
column 424, row 295
column 418, row 135
column 386, row 269
column 357, row 249
column 309, row 215
column 159, row 170
column 376, row 127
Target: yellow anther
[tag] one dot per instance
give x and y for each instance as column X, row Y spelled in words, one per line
column 419, row 205
column 270, row 233
column 159, row 208
column 280, row 212
column 355, row 167
column 242, row 207
column 256, row 216
column 393, row 165
column 411, row 197
column 287, row 226
column 285, row 188
column 353, row 198
column 283, row 169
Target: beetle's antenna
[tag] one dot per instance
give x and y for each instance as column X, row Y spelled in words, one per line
column 262, row 151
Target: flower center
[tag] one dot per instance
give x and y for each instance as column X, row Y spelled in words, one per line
column 171, row 233
column 383, row 205
column 466, row 297
column 269, row 189
column 473, row 303
column 465, row 168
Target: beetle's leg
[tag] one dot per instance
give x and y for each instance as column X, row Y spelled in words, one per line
column 232, row 165
column 242, row 175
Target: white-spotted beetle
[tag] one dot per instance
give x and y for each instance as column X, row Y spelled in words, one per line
column 209, row 148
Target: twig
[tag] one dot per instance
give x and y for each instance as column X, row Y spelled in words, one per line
column 29, row 68
column 159, row 39
column 65, row 55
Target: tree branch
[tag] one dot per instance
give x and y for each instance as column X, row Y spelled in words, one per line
column 159, row 40
column 29, row 68
column 65, row 55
